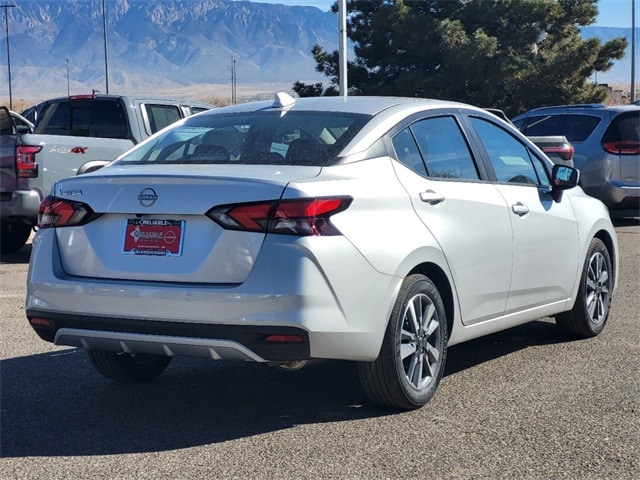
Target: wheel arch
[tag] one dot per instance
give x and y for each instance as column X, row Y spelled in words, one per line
column 611, row 245
column 441, row 281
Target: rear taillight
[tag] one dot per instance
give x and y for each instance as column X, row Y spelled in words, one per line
column 622, row 147
column 564, row 151
column 58, row 212
column 26, row 164
column 306, row 216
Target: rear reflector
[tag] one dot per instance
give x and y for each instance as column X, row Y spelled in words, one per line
column 280, row 338
column 40, row 322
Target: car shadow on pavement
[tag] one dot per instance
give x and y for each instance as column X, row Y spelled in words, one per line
column 21, row 256
column 55, row 404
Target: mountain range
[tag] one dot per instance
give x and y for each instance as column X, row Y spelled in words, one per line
column 181, row 46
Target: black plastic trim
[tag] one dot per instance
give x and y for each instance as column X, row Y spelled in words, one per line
column 252, row 337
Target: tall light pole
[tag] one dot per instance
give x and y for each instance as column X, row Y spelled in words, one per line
column 68, row 91
column 633, row 51
column 106, row 56
column 342, row 46
column 6, row 24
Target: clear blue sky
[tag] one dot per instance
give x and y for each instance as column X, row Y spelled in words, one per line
column 613, row 13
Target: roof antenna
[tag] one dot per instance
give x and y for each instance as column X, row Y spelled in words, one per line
column 283, row 100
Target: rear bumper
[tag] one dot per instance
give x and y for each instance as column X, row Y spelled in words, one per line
column 21, row 203
column 619, row 198
column 172, row 338
column 337, row 304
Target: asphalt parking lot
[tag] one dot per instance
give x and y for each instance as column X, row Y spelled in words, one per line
column 524, row 403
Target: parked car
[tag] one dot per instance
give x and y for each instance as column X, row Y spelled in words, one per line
column 376, row 230
column 74, row 135
column 556, row 147
column 606, row 140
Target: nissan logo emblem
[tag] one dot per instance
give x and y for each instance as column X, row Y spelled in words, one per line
column 147, row 197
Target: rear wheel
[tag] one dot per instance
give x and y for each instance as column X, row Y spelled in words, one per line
column 14, row 236
column 126, row 368
column 589, row 315
column 408, row 370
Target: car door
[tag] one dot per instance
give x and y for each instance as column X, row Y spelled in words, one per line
column 467, row 216
column 545, row 232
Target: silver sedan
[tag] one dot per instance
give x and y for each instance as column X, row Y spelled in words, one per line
column 377, row 230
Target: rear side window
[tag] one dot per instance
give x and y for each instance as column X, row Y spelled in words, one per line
column 84, row 118
column 270, row 138
column 577, row 128
column 160, row 116
column 624, row 128
column 407, row 152
column 435, row 147
column 444, row 149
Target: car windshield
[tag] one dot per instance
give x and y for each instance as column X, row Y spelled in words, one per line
column 274, row 137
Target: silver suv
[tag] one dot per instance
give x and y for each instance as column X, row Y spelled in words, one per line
column 607, row 148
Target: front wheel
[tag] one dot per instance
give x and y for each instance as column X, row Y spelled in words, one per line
column 589, row 315
column 411, row 362
column 126, row 368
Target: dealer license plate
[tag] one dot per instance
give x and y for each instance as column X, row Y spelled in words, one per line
column 155, row 237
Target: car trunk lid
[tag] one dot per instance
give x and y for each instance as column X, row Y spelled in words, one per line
column 155, row 227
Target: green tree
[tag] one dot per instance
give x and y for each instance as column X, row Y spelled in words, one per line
column 509, row 54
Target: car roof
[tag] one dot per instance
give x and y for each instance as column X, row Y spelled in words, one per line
column 579, row 108
column 347, row 104
column 126, row 99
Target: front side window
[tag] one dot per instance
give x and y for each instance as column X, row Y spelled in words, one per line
column 511, row 160
column 274, row 138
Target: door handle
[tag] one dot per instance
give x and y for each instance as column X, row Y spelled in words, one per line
column 520, row 209
column 431, row 197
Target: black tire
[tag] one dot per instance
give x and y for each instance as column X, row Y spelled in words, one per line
column 417, row 331
column 589, row 314
column 14, row 236
column 126, row 368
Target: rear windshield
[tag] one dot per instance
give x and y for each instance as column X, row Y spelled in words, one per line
column 577, row 128
column 276, row 138
column 84, row 118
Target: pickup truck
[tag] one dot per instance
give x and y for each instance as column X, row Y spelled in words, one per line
column 73, row 135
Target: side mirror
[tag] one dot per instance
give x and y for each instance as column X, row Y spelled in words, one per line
column 563, row 178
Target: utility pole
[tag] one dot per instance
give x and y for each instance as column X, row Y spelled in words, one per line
column 106, row 56
column 342, row 52
column 633, row 51
column 234, row 98
column 6, row 24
